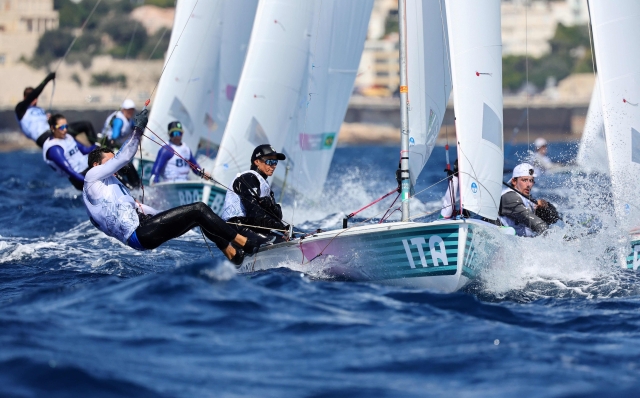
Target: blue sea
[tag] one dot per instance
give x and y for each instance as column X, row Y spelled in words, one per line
column 81, row 315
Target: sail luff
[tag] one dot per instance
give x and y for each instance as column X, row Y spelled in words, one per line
column 476, row 62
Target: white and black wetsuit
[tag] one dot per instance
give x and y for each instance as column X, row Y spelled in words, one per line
column 250, row 201
column 519, row 212
column 115, row 212
column 67, row 157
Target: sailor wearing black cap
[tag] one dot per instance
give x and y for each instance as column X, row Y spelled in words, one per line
column 175, row 159
column 250, row 200
column 517, row 209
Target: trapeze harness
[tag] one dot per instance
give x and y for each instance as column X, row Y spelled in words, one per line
column 521, row 229
column 233, row 205
column 72, row 154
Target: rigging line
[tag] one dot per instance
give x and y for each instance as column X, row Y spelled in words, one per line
column 207, row 243
column 526, row 65
column 174, row 48
column 76, row 37
column 257, row 226
column 445, row 45
column 306, row 113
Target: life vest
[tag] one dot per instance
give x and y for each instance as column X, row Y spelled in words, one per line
column 125, row 132
column 34, row 122
column 521, row 229
column 233, row 205
column 177, row 169
column 78, row 161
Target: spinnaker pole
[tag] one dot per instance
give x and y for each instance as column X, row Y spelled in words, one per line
column 404, row 113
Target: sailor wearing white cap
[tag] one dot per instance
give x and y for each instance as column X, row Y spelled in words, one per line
column 119, row 125
column 539, row 158
column 517, row 209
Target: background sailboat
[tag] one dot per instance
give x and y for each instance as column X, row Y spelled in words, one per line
column 616, row 34
column 206, row 51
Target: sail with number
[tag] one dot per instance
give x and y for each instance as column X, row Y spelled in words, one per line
column 476, row 62
column 616, row 33
column 208, row 39
column 337, row 40
column 429, row 78
column 270, row 84
column 592, row 153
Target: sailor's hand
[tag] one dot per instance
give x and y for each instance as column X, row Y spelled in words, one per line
column 142, row 119
column 542, row 203
column 51, row 76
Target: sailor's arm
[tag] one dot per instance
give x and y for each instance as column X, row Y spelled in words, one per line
column 23, row 105
column 83, row 149
column 116, row 128
column 56, row 155
column 511, row 206
column 164, row 154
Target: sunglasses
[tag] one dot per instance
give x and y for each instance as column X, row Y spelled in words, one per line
column 63, row 127
column 271, row 162
column 175, row 133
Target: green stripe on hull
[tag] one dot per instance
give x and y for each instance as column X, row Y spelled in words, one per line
column 635, row 254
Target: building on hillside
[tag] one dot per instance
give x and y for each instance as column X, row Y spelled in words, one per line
column 528, row 25
column 22, row 22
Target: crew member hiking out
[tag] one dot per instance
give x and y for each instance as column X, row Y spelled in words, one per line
column 34, row 120
column 250, row 200
column 175, row 159
column 113, row 210
column 64, row 154
column 517, row 209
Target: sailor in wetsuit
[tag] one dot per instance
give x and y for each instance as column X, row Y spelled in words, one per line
column 64, row 154
column 115, row 212
column 119, row 125
column 250, row 200
column 170, row 164
column 34, row 120
column 517, row 210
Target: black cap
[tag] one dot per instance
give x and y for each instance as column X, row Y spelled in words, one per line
column 266, row 150
column 174, row 126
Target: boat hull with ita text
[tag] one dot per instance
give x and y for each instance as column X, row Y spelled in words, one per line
column 441, row 255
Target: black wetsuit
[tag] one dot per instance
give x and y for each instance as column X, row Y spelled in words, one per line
column 260, row 212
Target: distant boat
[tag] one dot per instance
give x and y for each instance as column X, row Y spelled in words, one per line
column 202, row 69
column 442, row 255
column 616, row 34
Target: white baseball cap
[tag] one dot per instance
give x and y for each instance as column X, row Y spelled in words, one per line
column 524, row 170
column 540, row 142
column 128, row 104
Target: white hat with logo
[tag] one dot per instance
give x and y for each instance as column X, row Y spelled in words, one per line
column 524, row 170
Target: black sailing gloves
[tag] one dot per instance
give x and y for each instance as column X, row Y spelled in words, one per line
column 50, row 76
column 142, row 119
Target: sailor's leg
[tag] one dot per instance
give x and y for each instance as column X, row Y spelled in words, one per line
column 177, row 221
column 83, row 126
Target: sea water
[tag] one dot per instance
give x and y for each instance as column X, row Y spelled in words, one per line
column 83, row 315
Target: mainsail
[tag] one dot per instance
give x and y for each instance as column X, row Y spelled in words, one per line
column 337, row 40
column 269, row 86
column 476, row 62
column 429, row 78
column 592, row 153
column 616, row 33
column 207, row 39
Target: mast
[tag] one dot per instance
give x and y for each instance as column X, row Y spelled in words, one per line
column 404, row 113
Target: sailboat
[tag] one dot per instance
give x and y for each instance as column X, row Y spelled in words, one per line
column 592, row 152
column 201, row 73
column 441, row 255
column 615, row 35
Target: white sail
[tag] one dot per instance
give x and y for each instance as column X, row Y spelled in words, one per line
column 337, row 40
column 265, row 101
column 616, row 34
column 429, row 78
column 476, row 63
column 592, row 153
column 188, row 82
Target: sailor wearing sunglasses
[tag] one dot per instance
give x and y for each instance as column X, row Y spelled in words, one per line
column 64, row 154
column 250, row 200
column 517, row 208
column 175, row 159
